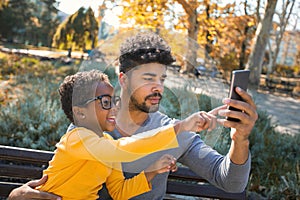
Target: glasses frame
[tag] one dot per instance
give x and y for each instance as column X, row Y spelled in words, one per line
column 113, row 100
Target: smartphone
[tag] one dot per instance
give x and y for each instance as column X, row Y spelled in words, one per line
column 239, row 78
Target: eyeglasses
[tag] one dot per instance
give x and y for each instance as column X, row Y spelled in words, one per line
column 106, row 101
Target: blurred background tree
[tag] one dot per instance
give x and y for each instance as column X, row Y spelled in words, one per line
column 79, row 31
column 212, row 33
column 23, row 22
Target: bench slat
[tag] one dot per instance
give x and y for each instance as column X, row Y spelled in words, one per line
column 209, row 191
column 25, row 155
column 185, row 173
column 20, row 171
column 7, row 187
column 24, row 164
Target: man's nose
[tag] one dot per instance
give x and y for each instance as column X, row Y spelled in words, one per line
column 158, row 87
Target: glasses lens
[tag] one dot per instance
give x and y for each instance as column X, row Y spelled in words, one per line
column 117, row 101
column 106, row 102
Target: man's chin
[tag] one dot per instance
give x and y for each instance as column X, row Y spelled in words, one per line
column 153, row 109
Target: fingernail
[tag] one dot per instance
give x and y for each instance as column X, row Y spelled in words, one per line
column 226, row 100
column 238, row 89
column 221, row 113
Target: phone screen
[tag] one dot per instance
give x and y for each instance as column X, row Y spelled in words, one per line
column 240, row 79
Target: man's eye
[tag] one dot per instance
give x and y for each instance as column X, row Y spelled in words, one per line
column 148, row 79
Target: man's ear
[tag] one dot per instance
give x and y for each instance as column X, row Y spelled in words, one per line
column 123, row 80
column 79, row 113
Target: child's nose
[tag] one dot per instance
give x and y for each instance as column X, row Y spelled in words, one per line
column 114, row 109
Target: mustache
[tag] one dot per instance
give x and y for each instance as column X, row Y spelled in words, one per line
column 156, row 94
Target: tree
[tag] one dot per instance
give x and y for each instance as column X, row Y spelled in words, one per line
column 190, row 8
column 145, row 14
column 48, row 22
column 195, row 16
column 279, row 30
column 79, row 31
column 28, row 22
column 232, row 46
column 246, row 32
column 255, row 61
column 15, row 19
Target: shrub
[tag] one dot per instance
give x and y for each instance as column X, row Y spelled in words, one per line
column 275, row 161
column 34, row 120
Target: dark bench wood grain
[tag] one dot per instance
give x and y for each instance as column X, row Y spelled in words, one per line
column 19, row 165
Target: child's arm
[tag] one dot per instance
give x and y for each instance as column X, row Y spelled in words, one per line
column 85, row 144
column 121, row 188
column 166, row 163
column 196, row 122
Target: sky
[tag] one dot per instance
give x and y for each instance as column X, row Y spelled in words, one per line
column 71, row 6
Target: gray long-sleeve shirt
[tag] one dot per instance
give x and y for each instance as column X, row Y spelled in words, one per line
column 192, row 152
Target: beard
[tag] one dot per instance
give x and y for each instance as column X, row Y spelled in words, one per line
column 135, row 105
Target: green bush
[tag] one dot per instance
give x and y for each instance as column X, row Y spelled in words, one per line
column 33, row 67
column 34, row 120
column 275, row 161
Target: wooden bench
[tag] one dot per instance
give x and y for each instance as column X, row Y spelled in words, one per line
column 280, row 85
column 19, row 165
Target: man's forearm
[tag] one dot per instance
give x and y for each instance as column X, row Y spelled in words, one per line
column 239, row 152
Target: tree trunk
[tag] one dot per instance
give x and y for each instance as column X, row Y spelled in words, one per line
column 190, row 7
column 284, row 19
column 208, row 45
column 243, row 49
column 192, row 42
column 245, row 41
column 269, row 67
column 258, row 50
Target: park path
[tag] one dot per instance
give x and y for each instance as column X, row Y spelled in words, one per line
column 283, row 110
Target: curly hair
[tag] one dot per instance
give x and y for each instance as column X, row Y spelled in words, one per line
column 144, row 48
column 77, row 88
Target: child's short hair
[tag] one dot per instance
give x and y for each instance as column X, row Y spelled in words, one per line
column 144, row 48
column 77, row 88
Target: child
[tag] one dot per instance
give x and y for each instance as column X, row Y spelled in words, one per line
column 86, row 157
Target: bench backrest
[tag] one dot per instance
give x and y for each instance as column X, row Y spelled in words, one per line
column 19, row 165
column 186, row 182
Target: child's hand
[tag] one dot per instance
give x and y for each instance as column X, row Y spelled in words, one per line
column 166, row 163
column 197, row 122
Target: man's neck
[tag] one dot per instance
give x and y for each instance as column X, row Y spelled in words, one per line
column 128, row 122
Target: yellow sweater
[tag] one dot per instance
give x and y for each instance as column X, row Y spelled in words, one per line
column 83, row 161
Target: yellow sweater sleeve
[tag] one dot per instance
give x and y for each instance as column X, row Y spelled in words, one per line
column 123, row 189
column 85, row 144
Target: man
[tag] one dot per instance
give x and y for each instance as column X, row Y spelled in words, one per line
column 143, row 62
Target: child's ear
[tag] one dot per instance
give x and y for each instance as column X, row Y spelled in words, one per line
column 123, row 80
column 79, row 113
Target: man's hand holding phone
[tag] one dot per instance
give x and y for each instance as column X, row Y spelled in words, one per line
column 241, row 109
column 240, row 115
